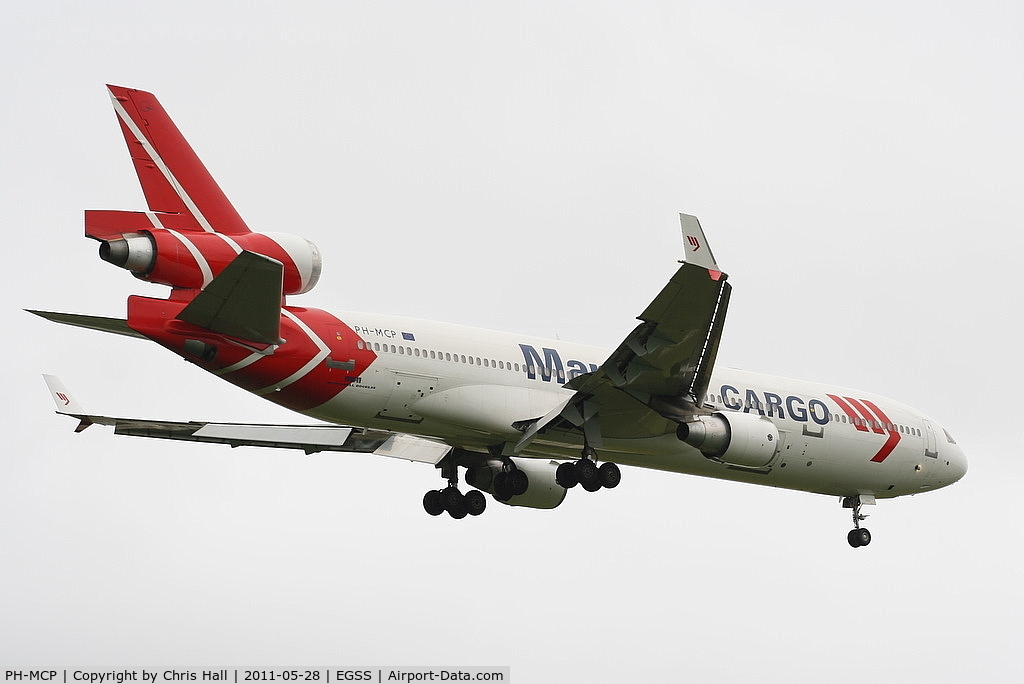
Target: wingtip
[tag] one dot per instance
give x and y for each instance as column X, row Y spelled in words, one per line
column 61, row 396
column 697, row 249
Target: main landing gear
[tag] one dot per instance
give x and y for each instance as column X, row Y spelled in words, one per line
column 450, row 499
column 858, row 536
column 586, row 473
column 458, row 505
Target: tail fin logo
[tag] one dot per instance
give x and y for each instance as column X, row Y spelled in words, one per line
column 694, row 242
column 64, row 398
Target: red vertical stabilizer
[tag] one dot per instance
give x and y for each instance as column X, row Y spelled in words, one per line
column 173, row 178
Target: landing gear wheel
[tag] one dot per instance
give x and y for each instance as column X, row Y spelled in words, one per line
column 432, row 502
column 454, row 503
column 609, row 475
column 475, row 502
column 859, row 537
column 586, row 473
column 565, row 475
column 451, row 496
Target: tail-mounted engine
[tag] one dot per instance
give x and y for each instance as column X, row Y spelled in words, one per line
column 740, row 439
column 157, row 252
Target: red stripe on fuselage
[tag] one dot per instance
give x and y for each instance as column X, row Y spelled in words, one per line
column 854, row 418
column 894, row 435
column 862, row 413
column 868, row 417
column 304, row 384
column 322, row 383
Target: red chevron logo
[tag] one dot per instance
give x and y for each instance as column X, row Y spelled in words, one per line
column 866, row 416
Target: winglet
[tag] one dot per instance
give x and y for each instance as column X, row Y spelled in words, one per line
column 698, row 251
column 66, row 403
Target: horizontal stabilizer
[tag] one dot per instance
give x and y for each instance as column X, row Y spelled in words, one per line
column 243, row 301
column 104, row 224
column 118, row 326
column 309, row 438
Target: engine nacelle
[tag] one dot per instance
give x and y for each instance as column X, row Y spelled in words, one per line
column 741, row 439
column 541, row 492
column 192, row 259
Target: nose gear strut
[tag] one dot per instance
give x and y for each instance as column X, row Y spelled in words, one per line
column 858, row 536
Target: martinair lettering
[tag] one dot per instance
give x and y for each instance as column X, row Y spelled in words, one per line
column 550, row 365
column 798, row 410
column 363, row 331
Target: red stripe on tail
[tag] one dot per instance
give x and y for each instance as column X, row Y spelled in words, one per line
column 172, row 176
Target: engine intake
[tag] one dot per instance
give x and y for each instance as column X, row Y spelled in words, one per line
column 740, row 439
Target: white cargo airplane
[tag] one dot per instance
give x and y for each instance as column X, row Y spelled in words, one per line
column 527, row 418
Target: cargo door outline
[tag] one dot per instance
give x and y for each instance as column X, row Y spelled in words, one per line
column 931, row 446
column 406, row 390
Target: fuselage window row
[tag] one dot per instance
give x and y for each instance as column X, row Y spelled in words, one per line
column 440, row 356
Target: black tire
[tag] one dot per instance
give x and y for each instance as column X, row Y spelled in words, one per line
column 586, row 473
column 475, row 502
column 565, row 475
column 454, row 502
column 432, row 502
column 609, row 475
column 858, row 537
column 452, row 498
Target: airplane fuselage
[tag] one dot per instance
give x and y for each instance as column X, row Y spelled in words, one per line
column 469, row 386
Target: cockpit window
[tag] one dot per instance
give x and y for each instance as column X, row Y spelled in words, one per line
column 949, row 437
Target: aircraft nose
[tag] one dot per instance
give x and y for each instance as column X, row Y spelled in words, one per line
column 957, row 467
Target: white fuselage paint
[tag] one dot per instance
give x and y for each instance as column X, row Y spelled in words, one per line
column 413, row 387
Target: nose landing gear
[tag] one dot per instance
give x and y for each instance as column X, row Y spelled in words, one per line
column 858, row 536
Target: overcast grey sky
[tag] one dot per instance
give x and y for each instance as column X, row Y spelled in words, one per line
column 519, row 166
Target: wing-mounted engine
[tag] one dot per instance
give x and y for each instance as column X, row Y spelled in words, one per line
column 158, row 250
column 532, row 481
column 740, row 439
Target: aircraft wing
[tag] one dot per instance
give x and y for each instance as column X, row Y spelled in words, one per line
column 309, row 438
column 659, row 374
